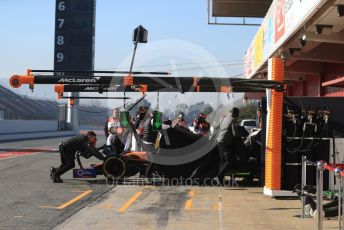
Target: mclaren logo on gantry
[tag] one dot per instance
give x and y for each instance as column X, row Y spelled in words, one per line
column 95, row 88
column 79, row 80
column 91, row 88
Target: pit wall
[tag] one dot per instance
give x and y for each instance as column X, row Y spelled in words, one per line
column 27, row 126
column 11, row 130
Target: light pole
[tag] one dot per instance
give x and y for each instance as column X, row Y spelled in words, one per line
column 139, row 36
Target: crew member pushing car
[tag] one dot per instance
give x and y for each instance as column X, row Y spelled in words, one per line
column 68, row 148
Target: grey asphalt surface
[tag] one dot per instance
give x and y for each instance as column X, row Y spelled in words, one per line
column 28, row 200
column 25, row 187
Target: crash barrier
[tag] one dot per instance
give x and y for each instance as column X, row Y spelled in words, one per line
column 27, row 126
column 337, row 169
column 36, row 135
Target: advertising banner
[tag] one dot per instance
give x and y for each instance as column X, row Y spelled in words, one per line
column 296, row 10
column 258, row 48
column 281, row 21
column 269, row 33
column 248, row 62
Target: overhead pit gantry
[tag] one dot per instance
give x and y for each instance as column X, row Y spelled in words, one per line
column 94, row 81
column 98, row 81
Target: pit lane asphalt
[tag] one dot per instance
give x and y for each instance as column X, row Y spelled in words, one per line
column 28, row 198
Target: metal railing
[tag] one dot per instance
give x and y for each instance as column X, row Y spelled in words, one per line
column 337, row 169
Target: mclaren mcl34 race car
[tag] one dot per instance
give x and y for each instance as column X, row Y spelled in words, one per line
column 179, row 154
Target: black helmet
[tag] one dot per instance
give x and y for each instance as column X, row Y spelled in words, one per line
column 235, row 112
column 181, row 115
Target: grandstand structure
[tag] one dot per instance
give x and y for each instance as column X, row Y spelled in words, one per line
column 18, row 107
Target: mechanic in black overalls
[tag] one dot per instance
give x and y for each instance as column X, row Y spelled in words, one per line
column 227, row 134
column 141, row 117
column 68, row 148
column 148, row 142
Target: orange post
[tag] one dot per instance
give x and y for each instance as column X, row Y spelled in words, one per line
column 194, row 81
column 273, row 150
column 59, row 88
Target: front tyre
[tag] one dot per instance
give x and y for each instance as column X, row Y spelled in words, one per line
column 114, row 168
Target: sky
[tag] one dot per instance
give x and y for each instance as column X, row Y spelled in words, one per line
column 178, row 34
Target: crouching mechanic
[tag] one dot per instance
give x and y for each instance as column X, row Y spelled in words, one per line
column 68, row 148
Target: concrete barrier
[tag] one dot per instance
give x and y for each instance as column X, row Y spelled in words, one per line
column 27, row 126
column 37, row 135
column 30, row 129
